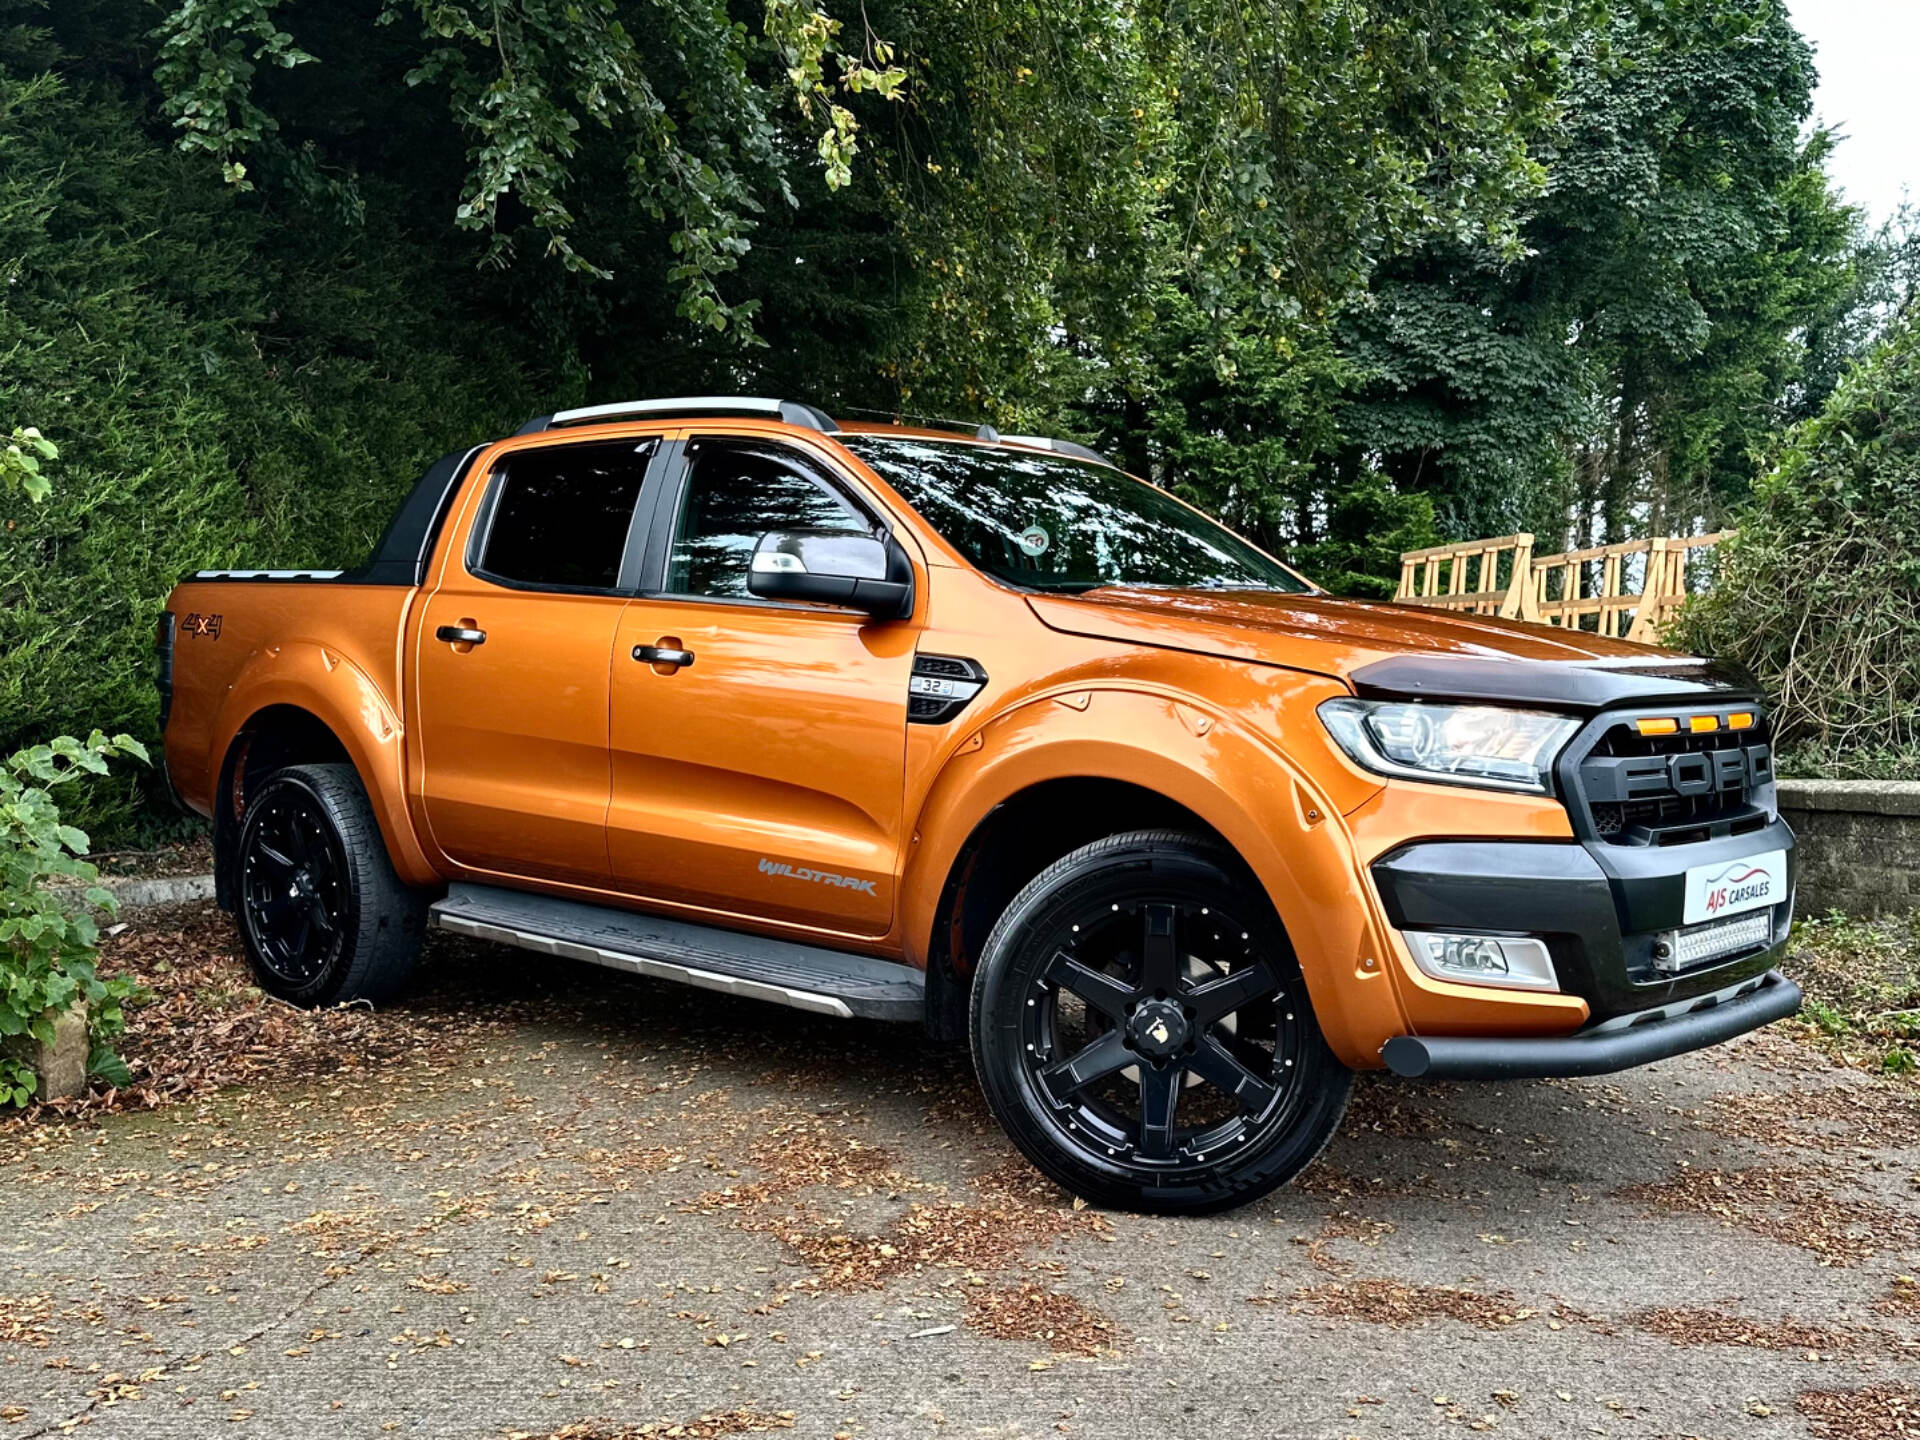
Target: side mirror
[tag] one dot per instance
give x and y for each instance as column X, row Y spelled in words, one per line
column 834, row 567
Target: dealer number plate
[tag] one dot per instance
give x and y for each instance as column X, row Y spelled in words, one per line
column 1728, row 887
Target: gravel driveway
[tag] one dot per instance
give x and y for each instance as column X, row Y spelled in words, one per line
column 544, row 1199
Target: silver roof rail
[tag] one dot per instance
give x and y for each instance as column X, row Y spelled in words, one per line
column 791, row 411
column 1059, row 447
column 985, row 433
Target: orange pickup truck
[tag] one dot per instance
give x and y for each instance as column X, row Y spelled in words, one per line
column 978, row 731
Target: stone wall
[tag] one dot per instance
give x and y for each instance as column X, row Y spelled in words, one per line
column 1859, row 844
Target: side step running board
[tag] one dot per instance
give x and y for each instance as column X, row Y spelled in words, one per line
column 806, row 977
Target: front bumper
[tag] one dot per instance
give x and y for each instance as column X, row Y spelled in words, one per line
column 1600, row 909
column 1598, row 1050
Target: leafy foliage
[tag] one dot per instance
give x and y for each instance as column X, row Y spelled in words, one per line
column 1584, row 331
column 227, row 387
column 524, row 77
column 47, row 938
column 1820, row 592
column 20, row 463
column 47, row 941
column 212, row 49
column 1614, row 379
column 1077, row 174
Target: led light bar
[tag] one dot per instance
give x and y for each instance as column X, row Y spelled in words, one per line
column 1697, row 944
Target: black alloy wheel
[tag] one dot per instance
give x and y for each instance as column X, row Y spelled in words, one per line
column 293, row 889
column 1142, row 1030
column 1170, row 996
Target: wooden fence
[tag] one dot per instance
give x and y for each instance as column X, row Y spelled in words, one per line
column 1503, row 577
column 1472, row 575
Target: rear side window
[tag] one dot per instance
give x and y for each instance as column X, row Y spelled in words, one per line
column 561, row 517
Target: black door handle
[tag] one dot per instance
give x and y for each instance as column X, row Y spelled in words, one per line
column 659, row 655
column 460, row 635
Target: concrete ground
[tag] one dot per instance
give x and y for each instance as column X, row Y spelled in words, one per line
column 594, row 1205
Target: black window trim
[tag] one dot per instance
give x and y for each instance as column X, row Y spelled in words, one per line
column 665, row 517
column 404, row 553
column 627, row 577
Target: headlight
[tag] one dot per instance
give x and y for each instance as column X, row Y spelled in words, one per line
column 1486, row 745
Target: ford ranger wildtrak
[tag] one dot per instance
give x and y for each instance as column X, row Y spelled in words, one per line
column 980, row 732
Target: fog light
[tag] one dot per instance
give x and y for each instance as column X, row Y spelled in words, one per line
column 1484, row 959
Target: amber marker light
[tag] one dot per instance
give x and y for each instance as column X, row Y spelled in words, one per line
column 1740, row 720
column 1657, row 727
column 1701, row 724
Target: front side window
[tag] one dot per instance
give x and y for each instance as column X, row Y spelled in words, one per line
column 561, row 516
column 734, row 495
column 1047, row 522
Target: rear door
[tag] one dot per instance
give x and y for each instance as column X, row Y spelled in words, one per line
column 763, row 777
column 515, row 648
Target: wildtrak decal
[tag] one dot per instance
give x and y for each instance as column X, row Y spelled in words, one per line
column 818, row 877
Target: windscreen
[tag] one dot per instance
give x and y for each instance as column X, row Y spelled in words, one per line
column 1047, row 522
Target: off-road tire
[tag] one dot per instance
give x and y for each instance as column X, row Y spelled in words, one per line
column 341, row 868
column 1185, row 887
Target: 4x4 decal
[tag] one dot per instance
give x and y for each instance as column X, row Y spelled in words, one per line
column 818, row 877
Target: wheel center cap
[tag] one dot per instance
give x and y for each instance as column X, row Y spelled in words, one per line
column 1158, row 1028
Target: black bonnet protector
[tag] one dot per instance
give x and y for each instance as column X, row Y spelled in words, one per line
column 1583, row 686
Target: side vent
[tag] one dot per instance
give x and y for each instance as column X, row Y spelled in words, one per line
column 940, row 688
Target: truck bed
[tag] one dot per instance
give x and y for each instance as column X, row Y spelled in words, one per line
column 232, row 628
column 234, row 633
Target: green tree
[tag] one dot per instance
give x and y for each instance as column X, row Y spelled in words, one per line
column 670, row 84
column 1079, row 182
column 1881, row 282
column 1687, row 254
column 231, row 387
column 1819, row 594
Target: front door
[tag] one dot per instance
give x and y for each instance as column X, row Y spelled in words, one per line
column 762, row 776
column 515, row 648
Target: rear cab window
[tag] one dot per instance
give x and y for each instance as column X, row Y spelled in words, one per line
column 562, row 518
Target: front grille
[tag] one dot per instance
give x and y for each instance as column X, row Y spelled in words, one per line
column 1674, row 789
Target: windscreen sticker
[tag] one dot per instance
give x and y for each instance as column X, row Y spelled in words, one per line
column 1034, row 540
